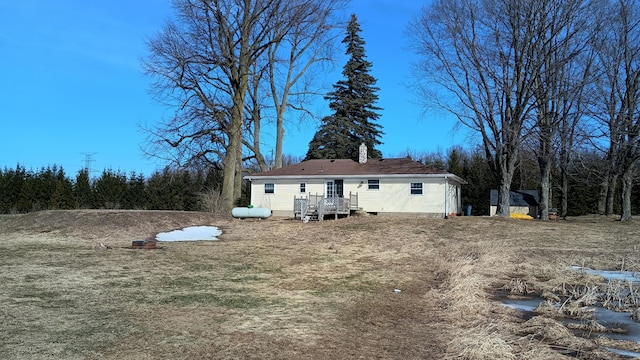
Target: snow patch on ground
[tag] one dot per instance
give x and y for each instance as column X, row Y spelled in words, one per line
column 610, row 275
column 192, row 233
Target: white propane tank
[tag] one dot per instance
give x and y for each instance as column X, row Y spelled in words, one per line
column 246, row 212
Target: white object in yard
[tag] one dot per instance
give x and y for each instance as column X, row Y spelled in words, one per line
column 247, row 212
column 192, row 233
column 396, row 290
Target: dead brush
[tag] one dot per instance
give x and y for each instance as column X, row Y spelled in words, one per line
column 466, row 293
column 621, row 295
column 577, row 306
column 604, row 341
column 563, row 282
column 555, row 334
column 564, row 309
column 590, row 326
column 548, row 307
column 584, row 294
column 467, row 285
column 482, row 343
column 548, row 295
column 575, row 287
column 518, row 286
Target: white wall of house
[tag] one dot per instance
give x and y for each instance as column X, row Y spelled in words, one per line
column 393, row 195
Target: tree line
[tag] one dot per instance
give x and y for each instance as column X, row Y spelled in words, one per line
column 583, row 174
column 50, row 188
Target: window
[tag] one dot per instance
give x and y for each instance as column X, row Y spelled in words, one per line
column 269, row 188
column 416, row 188
column 303, row 187
column 373, row 184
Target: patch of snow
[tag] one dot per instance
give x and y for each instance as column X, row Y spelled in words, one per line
column 628, row 353
column 191, row 233
column 523, row 304
column 610, row 275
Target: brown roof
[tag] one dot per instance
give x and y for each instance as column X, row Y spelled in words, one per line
column 345, row 167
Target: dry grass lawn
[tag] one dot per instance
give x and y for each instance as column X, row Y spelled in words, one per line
column 281, row 289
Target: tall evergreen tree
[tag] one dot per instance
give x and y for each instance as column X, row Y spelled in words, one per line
column 110, row 189
column 135, row 196
column 353, row 102
column 82, row 191
column 62, row 196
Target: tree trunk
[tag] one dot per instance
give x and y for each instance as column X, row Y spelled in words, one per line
column 228, row 177
column 257, row 127
column 602, row 196
column 611, row 192
column 504, row 166
column 547, row 130
column 279, row 136
column 255, row 112
column 237, row 187
column 504, row 197
column 627, row 186
column 233, row 157
column 507, row 166
column 564, row 188
column 545, row 175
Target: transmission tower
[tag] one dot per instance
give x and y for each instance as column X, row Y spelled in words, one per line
column 88, row 161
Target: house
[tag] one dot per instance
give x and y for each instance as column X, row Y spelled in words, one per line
column 520, row 202
column 377, row 186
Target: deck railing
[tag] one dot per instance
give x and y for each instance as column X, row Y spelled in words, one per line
column 321, row 205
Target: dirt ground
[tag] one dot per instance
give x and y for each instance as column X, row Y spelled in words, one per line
column 365, row 287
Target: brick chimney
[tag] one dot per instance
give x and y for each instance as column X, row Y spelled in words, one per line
column 362, row 154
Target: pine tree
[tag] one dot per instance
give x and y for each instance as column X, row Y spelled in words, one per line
column 353, row 102
column 110, row 189
column 62, row 196
column 135, row 196
column 82, row 192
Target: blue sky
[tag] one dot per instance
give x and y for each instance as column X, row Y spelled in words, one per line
column 72, row 85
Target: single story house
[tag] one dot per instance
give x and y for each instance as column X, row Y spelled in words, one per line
column 378, row 186
column 520, row 202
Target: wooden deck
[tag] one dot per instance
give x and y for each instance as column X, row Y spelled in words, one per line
column 316, row 207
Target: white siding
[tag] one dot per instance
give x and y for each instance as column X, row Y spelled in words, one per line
column 282, row 197
column 394, row 195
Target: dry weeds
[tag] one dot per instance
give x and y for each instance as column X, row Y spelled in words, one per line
column 281, row 289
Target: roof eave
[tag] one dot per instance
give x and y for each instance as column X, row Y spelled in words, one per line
column 380, row 176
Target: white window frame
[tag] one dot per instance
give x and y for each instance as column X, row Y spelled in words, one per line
column 303, row 187
column 272, row 188
column 373, row 182
column 416, row 188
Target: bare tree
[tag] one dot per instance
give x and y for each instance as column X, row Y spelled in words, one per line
column 619, row 101
column 309, row 43
column 479, row 51
column 203, row 63
column 571, row 132
column 560, row 73
column 253, row 119
column 286, row 77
